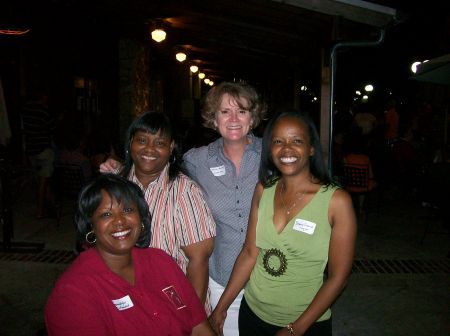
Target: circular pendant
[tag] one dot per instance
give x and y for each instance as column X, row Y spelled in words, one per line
column 274, row 262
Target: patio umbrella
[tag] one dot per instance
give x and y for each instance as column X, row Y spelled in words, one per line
column 436, row 70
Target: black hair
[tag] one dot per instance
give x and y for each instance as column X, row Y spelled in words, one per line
column 152, row 122
column 118, row 188
column 269, row 173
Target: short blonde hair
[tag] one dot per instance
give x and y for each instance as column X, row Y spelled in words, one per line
column 238, row 91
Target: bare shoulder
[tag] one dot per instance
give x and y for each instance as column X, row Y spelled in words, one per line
column 340, row 197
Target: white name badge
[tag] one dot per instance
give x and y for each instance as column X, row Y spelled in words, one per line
column 304, row 226
column 123, row 303
column 218, row 171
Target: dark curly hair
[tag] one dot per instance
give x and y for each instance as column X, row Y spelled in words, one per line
column 118, row 188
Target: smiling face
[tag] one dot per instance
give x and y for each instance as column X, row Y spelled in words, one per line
column 290, row 146
column 116, row 226
column 150, row 154
column 232, row 121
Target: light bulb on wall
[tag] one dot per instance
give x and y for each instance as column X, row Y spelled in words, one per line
column 206, row 80
column 201, row 75
column 193, row 68
column 158, row 35
column 181, row 57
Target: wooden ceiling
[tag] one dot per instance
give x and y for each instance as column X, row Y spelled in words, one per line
column 253, row 40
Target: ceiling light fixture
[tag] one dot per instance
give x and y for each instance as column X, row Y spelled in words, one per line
column 193, row 68
column 181, row 57
column 158, row 35
column 201, row 75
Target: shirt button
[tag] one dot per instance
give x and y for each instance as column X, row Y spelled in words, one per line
column 237, row 187
column 242, row 230
column 237, row 201
column 240, row 215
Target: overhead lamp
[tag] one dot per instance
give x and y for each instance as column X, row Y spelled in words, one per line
column 201, row 75
column 158, row 35
column 206, row 80
column 14, row 31
column 193, row 68
column 211, row 83
column 181, row 57
column 368, row 88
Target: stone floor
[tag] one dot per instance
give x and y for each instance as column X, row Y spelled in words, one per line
column 399, row 283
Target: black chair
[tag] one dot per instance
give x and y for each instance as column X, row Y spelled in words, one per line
column 355, row 179
column 68, row 180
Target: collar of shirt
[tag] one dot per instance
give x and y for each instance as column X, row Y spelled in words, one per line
column 162, row 181
column 217, row 146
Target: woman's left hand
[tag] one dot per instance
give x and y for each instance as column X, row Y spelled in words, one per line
column 217, row 321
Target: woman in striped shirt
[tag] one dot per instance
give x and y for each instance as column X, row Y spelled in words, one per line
column 182, row 224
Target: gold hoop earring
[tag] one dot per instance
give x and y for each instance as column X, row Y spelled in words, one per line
column 91, row 235
column 142, row 226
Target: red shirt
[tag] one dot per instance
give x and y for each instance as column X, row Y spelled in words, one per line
column 89, row 299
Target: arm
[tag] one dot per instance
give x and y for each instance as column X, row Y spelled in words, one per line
column 340, row 258
column 197, row 268
column 188, row 164
column 203, row 329
column 242, row 268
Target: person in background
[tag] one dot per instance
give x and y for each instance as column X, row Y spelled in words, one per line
column 391, row 120
column 38, row 128
column 356, row 153
column 120, row 287
column 365, row 120
column 227, row 172
column 300, row 223
column 72, row 153
column 182, row 224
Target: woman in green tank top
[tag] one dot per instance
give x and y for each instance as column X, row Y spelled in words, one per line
column 300, row 222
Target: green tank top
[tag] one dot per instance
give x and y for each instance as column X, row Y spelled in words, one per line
column 277, row 298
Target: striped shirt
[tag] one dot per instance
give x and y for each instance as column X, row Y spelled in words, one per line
column 38, row 128
column 180, row 215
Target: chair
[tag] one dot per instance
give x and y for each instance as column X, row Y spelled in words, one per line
column 68, row 180
column 356, row 180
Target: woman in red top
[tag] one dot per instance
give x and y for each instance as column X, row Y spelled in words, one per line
column 119, row 287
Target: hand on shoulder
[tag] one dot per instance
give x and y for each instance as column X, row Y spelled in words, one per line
column 109, row 166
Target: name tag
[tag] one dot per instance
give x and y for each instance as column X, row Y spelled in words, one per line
column 218, row 171
column 123, row 303
column 304, row 226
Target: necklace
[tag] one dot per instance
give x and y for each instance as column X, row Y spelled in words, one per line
column 298, row 198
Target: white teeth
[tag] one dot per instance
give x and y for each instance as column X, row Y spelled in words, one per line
column 234, row 127
column 288, row 159
column 151, row 158
column 121, row 233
